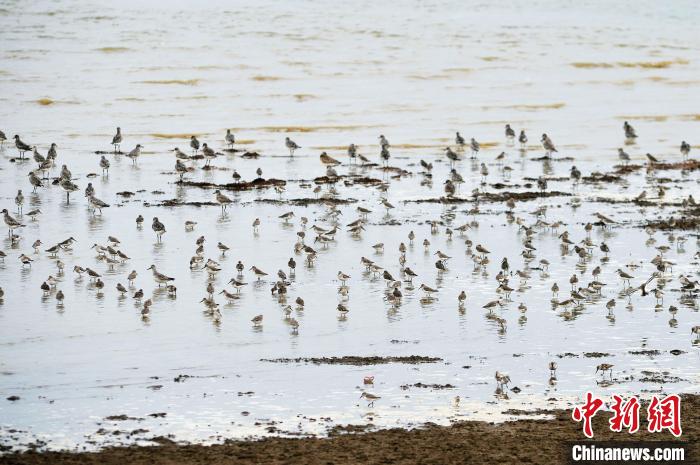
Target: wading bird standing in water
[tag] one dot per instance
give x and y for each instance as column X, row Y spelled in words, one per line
column 117, row 140
column 291, row 145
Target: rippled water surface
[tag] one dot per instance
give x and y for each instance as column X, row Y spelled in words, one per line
column 328, row 74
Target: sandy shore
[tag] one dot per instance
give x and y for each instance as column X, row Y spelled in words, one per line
column 523, row 441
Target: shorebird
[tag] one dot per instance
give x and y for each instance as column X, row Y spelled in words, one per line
column 624, row 156
column 104, row 164
column 625, row 276
column 223, row 247
column 291, row 145
column 68, row 186
column 502, row 379
column 342, row 277
column 685, row 149
column 294, row 324
column 117, row 140
column 450, row 188
column 292, row 264
column 3, row 138
column 428, row 290
column 97, row 204
column 59, row 298
column 522, row 138
column 442, row 256
column 451, row 155
column 493, row 304
column 180, row 155
column 352, row 152
column 223, row 200
column 410, row 274
column 19, row 201
column 11, row 222
column 510, row 133
column 482, row 250
column 603, row 367
column 258, row 272
column 484, row 173
column 548, row 145
column 328, row 160
column 461, row 298
column 38, row 158
column 53, row 153
column 552, row 369
column 257, row 320
column 158, row 277
column 370, row 397
column 89, row 190
column 387, row 205
column 237, row 284
column 630, row 133
column 385, row 156
column 459, row 140
column 21, row 146
column 229, row 296
column 286, row 216
column 134, row 154
column 92, row 274
column 158, row 227
column 25, row 260
column 194, row 143
column 230, row 138
column 610, row 305
column 694, row 330
column 35, row 180
column 180, row 169
column 65, row 173
column 209, row 154
column 46, row 288
column 383, row 141
column 575, row 174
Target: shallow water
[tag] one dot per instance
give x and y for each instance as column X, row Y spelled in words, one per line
column 327, row 76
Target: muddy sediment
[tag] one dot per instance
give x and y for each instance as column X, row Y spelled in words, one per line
column 531, row 440
column 257, row 183
column 690, row 221
column 179, row 203
column 351, row 179
column 302, row 202
column 357, row 360
column 494, row 197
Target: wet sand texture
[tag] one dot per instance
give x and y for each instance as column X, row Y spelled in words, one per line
column 525, row 441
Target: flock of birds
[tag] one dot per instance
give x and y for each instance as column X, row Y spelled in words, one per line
column 508, row 279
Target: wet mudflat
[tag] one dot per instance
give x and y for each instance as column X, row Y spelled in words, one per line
column 95, row 371
column 538, row 441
